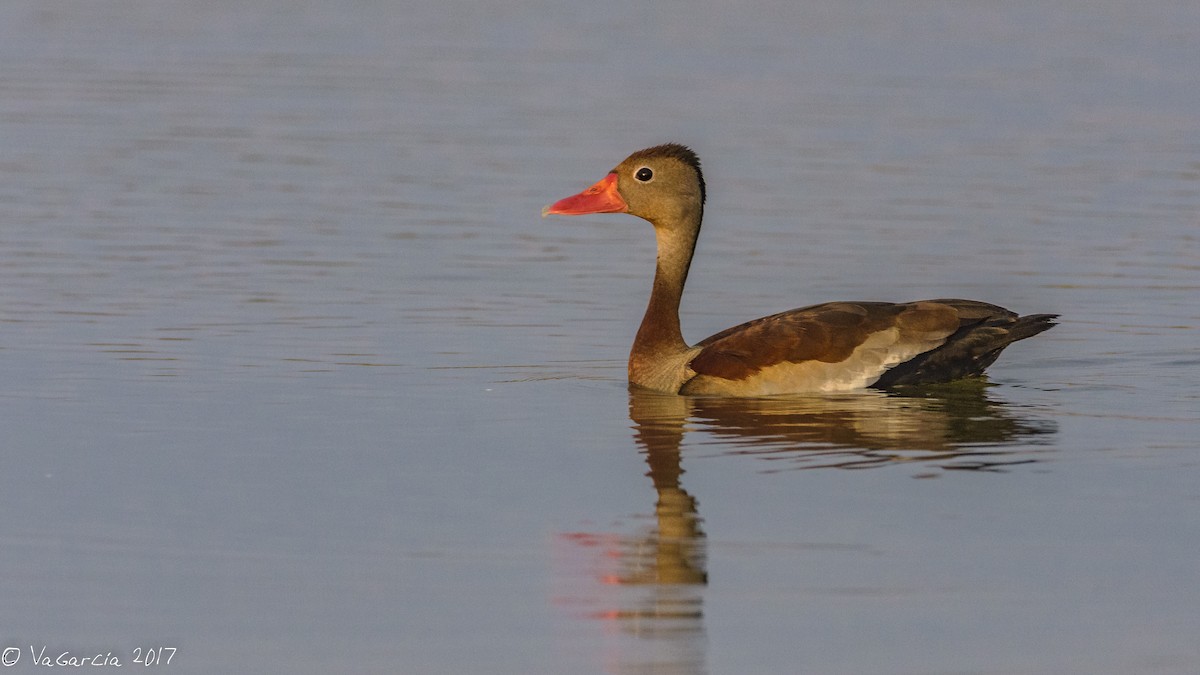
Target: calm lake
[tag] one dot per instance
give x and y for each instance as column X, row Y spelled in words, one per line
column 296, row 380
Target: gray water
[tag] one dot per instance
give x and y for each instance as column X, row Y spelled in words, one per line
column 296, row 380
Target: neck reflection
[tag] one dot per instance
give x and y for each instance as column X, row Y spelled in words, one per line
column 652, row 580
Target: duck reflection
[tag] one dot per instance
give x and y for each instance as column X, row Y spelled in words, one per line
column 948, row 427
column 655, row 576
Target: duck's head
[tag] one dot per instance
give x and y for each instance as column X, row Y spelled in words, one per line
column 662, row 184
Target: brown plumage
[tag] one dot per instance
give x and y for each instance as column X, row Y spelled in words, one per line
column 828, row 347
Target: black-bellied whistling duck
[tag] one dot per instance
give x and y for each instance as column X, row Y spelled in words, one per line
column 835, row 346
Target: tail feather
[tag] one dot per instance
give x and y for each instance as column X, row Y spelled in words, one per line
column 1028, row 326
column 972, row 348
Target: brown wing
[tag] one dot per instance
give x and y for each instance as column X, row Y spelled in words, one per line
column 828, row 333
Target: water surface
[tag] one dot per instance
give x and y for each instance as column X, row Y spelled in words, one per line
column 297, row 381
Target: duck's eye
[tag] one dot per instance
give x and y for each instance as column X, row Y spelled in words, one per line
column 644, row 174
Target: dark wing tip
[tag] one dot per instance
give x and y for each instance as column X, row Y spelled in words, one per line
column 971, row 349
column 1030, row 325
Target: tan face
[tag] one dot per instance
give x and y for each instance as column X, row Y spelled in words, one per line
column 659, row 189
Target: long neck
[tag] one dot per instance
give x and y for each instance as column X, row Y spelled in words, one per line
column 659, row 334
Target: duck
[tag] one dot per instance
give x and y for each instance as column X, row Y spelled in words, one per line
column 829, row 347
